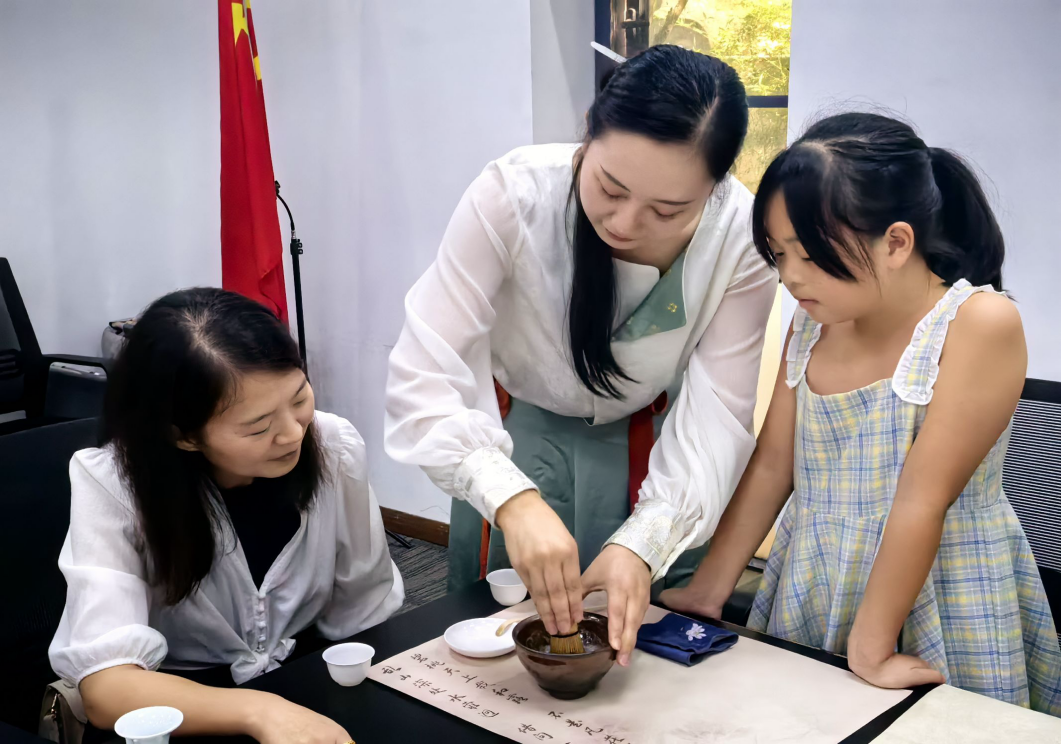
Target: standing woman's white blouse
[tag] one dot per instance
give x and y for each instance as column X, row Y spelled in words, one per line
column 494, row 305
column 336, row 572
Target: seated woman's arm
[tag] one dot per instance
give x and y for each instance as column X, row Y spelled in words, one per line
column 113, row 692
column 106, row 646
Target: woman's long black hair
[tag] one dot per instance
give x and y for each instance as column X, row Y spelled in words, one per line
column 179, row 367
column 853, row 175
column 668, row 94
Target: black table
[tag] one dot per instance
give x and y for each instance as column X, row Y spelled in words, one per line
column 11, row 735
column 372, row 712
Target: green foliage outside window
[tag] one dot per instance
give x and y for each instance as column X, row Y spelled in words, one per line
column 754, row 36
column 751, row 35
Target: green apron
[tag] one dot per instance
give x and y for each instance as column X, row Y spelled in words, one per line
column 582, row 473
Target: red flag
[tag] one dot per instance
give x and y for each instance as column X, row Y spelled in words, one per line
column 251, row 251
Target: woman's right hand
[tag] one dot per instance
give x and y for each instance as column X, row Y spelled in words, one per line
column 278, row 721
column 546, row 557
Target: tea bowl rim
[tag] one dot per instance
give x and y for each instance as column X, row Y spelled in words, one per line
column 547, row 655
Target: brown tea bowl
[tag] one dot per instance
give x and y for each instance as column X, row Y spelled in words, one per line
column 565, row 676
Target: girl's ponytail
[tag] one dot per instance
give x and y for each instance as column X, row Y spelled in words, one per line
column 970, row 244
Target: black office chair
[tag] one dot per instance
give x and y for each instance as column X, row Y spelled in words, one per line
column 27, row 381
column 34, row 518
column 1032, row 479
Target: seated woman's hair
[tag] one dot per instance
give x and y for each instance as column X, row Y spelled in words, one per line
column 181, row 366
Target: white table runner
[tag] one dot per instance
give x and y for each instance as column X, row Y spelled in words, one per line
column 948, row 715
column 751, row 693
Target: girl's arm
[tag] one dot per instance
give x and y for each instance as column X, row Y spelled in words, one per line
column 762, row 491
column 980, row 380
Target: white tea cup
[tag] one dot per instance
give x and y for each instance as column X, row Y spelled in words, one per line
column 149, row 725
column 506, row 586
column 348, row 663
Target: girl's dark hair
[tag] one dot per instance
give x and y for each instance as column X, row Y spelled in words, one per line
column 851, row 176
column 668, row 94
column 179, row 367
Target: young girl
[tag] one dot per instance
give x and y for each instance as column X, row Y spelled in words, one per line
column 223, row 517
column 888, row 426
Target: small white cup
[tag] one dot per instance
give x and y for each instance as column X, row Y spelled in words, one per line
column 149, row 725
column 506, row 586
column 348, row 663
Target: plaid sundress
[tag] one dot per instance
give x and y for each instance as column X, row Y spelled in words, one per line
column 982, row 617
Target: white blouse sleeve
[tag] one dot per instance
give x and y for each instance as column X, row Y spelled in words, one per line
column 707, row 438
column 105, row 623
column 367, row 588
column 441, row 409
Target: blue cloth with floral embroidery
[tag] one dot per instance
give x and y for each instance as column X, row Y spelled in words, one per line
column 683, row 640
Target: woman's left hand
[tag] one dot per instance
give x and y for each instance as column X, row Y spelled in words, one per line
column 626, row 578
column 898, row 671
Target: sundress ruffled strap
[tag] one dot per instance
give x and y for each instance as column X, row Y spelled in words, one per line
column 919, row 365
column 805, row 333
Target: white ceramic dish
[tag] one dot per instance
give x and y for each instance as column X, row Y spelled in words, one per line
column 348, row 663
column 149, row 725
column 478, row 638
column 506, row 586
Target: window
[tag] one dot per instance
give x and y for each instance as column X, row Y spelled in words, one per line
column 751, row 35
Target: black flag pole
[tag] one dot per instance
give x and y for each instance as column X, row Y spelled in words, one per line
column 296, row 251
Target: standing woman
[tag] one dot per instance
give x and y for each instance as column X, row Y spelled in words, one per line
column 587, row 279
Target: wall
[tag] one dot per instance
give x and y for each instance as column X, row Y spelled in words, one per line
column 977, row 76
column 109, row 148
column 380, row 115
column 561, row 68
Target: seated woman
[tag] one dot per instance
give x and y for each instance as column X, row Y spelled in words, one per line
column 223, row 516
